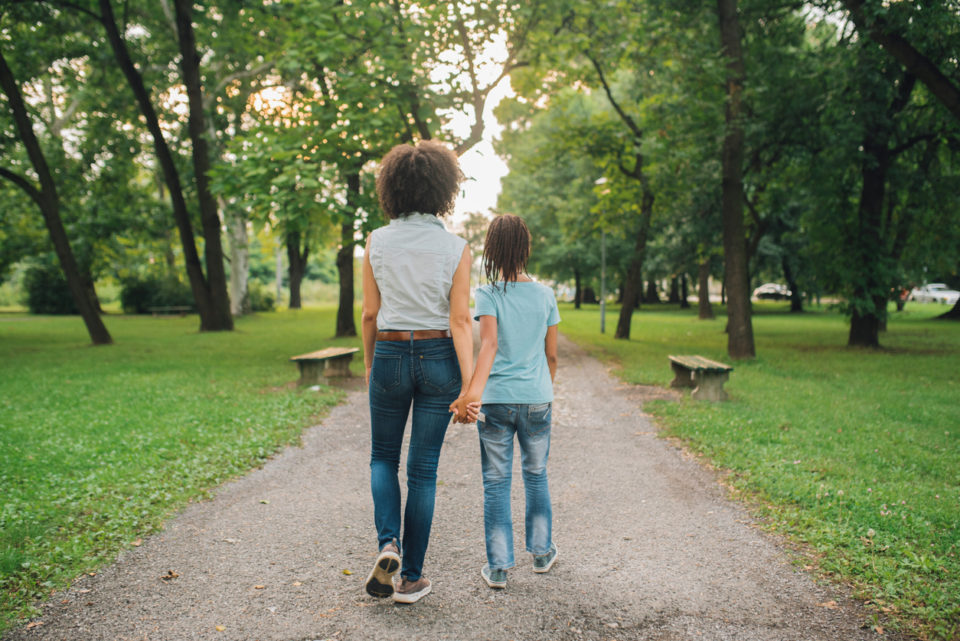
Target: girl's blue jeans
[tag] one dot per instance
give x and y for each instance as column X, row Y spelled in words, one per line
column 497, row 426
column 424, row 374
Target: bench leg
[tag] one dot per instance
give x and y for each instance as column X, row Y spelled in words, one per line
column 310, row 372
column 339, row 366
column 710, row 386
column 682, row 377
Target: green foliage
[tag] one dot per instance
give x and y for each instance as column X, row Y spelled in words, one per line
column 138, row 295
column 46, row 289
column 851, row 452
column 100, row 447
column 262, row 298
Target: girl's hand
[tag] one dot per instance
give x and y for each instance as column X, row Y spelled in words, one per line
column 473, row 411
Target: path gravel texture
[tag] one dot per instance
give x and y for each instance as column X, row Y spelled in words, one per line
column 650, row 548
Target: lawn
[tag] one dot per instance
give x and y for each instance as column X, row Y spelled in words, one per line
column 853, row 453
column 98, row 445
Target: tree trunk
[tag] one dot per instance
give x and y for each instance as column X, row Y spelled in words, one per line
column 674, row 295
column 577, row 289
column 48, row 199
column 219, row 317
column 870, row 290
column 346, row 325
column 297, row 266
column 633, row 283
column 684, row 291
column 239, row 262
column 198, row 282
column 796, row 300
column 704, row 308
column 953, row 314
column 652, row 296
column 739, row 325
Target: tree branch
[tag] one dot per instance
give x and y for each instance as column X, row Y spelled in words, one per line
column 23, row 184
column 631, row 124
column 915, row 62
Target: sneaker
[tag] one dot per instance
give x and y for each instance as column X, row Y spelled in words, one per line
column 495, row 578
column 380, row 581
column 411, row 591
column 543, row 562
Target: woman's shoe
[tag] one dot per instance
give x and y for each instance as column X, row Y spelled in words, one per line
column 380, row 581
column 411, row 591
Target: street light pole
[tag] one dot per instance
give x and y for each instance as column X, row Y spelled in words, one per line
column 603, row 281
column 603, row 263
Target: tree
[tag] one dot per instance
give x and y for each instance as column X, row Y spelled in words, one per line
column 47, row 199
column 210, row 290
column 739, row 326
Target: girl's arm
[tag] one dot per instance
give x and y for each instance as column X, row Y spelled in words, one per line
column 461, row 325
column 368, row 316
column 550, row 347
column 468, row 405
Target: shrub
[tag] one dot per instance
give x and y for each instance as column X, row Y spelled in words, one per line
column 47, row 290
column 139, row 294
column 261, row 297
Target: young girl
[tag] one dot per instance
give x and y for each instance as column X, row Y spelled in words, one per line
column 515, row 369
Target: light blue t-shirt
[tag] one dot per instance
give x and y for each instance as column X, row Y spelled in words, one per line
column 523, row 311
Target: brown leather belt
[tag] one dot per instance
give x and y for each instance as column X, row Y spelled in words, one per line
column 417, row 334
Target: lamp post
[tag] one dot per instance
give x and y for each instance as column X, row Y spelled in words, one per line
column 603, row 265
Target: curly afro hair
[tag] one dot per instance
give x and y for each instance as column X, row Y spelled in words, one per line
column 424, row 178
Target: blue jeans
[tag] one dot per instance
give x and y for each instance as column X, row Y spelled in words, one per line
column 424, row 373
column 531, row 424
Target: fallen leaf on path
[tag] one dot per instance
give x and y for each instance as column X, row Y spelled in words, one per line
column 34, row 624
column 347, row 572
column 830, row 605
column 221, row 628
column 137, row 543
column 297, row 584
column 878, row 629
column 265, row 501
column 169, row 575
column 259, row 587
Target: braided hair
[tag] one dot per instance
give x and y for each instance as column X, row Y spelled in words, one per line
column 506, row 249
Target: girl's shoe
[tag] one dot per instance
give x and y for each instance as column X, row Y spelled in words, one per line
column 543, row 562
column 411, row 591
column 496, row 579
column 380, row 581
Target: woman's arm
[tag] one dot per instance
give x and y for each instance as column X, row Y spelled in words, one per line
column 461, row 326
column 368, row 317
column 550, row 347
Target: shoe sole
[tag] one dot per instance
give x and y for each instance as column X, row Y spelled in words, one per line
column 412, row 597
column 380, row 582
column 546, row 569
column 496, row 585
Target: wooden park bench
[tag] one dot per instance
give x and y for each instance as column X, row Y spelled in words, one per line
column 332, row 361
column 180, row 310
column 705, row 376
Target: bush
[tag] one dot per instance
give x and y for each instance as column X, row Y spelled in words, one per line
column 138, row 295
column 47, row 290
column 261, row 297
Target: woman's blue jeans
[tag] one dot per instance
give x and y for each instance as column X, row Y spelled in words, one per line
column 426, row 375
column 531, row 425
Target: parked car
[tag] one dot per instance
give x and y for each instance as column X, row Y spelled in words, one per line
column 934, row 293
column 771, row 291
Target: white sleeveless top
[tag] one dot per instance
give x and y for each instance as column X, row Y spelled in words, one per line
column 413, row 260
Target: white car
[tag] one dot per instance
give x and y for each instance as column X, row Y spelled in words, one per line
column 771, row 291
column 935, row 293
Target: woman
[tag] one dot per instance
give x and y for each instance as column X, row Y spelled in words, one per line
column 417, row 349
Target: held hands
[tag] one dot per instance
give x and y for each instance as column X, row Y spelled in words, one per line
column 465, row 409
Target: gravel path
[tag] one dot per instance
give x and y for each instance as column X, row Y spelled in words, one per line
column 649, row 548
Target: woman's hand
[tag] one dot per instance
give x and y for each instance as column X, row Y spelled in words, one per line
column 465, row 409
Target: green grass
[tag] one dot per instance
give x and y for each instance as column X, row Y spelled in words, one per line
column 855, row 453
column 98, row 445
